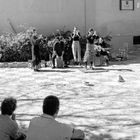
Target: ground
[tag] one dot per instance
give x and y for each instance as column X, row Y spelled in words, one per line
column 91, row 100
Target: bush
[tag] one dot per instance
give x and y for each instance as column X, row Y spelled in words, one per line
column 17, row 47
column 13, row 47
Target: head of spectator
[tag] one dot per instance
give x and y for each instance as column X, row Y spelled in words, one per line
column 51, row 105
column 8, row 106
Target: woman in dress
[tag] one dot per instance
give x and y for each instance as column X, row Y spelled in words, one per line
column 89, row 53
column 36, row 59
column 76, row 49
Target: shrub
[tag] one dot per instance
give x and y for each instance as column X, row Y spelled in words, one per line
column 17, row 47
column 13, row 47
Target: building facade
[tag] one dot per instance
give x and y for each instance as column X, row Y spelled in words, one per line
column 48, row 15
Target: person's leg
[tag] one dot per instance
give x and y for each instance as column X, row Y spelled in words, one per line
column 65, row 61
column 65, row 58
column 74, row 51
column 106, row 60
column 91, row 64
column 79, row 52
column 45, row 63
column 35, row 64
column 53, row 60
column 65, row 64
column 86, row 64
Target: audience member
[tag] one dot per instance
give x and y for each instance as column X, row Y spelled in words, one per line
column 46, row 127
column 8, row 125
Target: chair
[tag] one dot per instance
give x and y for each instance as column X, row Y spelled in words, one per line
column 123, row 52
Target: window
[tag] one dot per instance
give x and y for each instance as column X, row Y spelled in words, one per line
column 126, row 4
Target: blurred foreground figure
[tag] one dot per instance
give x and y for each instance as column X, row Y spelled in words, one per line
column 58, row 51
column 90, row 52
column 36, row 59
column 46, row 127
column 8, row 125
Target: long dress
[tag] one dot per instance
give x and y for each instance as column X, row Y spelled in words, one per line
column 36, row 59
column 89, row 53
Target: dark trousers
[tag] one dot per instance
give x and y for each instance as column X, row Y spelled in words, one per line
column 53, row 59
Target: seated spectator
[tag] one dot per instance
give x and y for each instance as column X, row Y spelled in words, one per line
column 8, row 125
column 46, row 127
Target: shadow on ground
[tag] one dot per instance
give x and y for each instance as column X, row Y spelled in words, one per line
column 53, row 70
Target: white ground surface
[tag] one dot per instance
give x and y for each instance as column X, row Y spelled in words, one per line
column 95, row 102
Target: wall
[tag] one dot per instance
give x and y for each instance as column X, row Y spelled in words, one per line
column 45, row 15
column 48, row 15
column 121, row 24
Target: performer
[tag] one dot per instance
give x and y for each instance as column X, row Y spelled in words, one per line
column 104, row 51
column 36, row 60
column 58, row 50
column 76, row 49
column 67, row 52
column 89, row 53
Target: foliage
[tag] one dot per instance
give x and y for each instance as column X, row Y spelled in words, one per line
column 14, row 46
column 17, row 47
column 107, row 40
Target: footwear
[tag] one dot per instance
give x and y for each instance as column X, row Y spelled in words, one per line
column 53, row 67
column 66, row 66
column 36, row 70
column 91, row 67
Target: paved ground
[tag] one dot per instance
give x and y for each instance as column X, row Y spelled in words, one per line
column 94, row 101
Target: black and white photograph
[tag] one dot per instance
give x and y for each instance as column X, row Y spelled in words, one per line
column 69, row 69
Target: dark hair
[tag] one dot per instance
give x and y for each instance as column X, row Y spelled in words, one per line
column 50, row 105
column 35, row 37
column 90, row 30
column 8, row 106
column 97, row 37
column 34, row 30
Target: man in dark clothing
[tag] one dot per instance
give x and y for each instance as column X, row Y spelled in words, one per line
column 58, row 50
column 67, row 52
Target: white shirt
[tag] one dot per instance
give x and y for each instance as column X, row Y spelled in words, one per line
column 46, row 127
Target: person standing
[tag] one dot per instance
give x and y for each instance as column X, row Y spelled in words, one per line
column 36, row 59
column 76, row 49
column 46, row 127
column 67, row 52
column 8, row 126
column 89, row 53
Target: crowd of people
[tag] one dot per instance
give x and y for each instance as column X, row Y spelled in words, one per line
column 44, row 127
column 95, row 47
